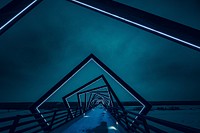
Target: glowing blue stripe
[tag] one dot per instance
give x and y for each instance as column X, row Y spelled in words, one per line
column 90, row 101
column 118, row 82
column 42, row 116
column 99, row 89
column 89, row 85
column 60, row 87
column 18, row 14
column 64, row 83
column 124, row 89
column 140, row 25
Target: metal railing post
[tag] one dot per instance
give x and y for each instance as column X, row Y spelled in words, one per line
column 15, row 122
column 52, row 120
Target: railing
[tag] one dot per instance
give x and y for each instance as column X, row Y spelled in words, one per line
column 28, row 123
column 131, row 121
column 135, row 122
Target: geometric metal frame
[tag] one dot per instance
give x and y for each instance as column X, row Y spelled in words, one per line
column 14, row 11
column 160, row 26
column 146, row 105
column 82, row 87
column 93, row 91
column 110, row 91
column 34, row 107
column 77, row 91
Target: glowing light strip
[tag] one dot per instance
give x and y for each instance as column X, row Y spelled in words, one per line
column 18, row 14
column 79, row 90
column 124, row 88
column 64, row 83
column 90, row 101
column 87, row 86
column 59, row 88
column 42, row 116
column 118, row 82
column 92, row 93
column 99, row 101
column 70, row 109
column 100, row 96
column 140, row 25
column 99, row 89
column 83, row 88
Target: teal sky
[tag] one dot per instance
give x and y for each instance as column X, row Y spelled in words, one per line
column 53, row 38
column 182, row 11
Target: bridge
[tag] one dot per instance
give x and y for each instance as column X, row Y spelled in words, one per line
column 97, row 109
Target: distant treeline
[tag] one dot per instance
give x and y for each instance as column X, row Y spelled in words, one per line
column 60, row 105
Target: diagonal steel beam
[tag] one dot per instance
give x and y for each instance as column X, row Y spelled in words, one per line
column 83, row 86
column 146, row 105
column 113, row 93
column 14, row 11
column 163, row 27
column 79, row 67
column 79, row 93
column 96, row 88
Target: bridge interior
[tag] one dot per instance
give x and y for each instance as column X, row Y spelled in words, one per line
column 102, row 108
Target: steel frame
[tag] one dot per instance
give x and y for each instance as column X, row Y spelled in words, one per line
column 14, row 11
column 91, row 91
column 80, row 93
column 160, row 26
column 146, row 105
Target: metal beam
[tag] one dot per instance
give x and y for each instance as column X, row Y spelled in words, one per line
column 83, row 86
column 163, row 27
column 94, row 92
column 14, row 11
column 96, row 88
column 147, row 106
column 91, row 57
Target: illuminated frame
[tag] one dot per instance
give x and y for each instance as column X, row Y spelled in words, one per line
column 34, row 108
column 192, row 43
column 17, row 12
column 77, row 91
column 99, row 98
column 107, row 85
column 95, row 92
column 64, row 98
column 93, row 101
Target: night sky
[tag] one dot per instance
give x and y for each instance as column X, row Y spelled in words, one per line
column 55, row 36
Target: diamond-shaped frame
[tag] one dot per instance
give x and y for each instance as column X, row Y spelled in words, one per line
column 34, row 108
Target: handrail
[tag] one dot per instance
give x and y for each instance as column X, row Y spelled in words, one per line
column 55, row 117
column 127, row 119
column 28, row 115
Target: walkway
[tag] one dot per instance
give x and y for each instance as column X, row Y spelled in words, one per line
column 97, row 120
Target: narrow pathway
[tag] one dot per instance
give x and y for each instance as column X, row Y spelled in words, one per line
column 97, row 120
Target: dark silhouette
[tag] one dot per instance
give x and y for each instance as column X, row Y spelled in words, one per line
column 102, row 128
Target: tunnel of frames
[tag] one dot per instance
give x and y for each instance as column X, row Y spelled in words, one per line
column 87, row 99
column 103, row 94
column 131, row 119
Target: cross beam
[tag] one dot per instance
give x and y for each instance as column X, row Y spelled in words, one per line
column 163, row 27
